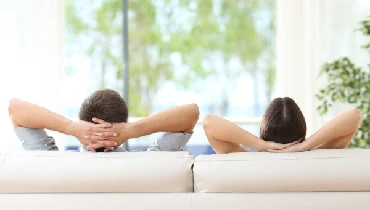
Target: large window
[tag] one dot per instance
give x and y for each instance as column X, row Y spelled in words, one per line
column 219, row 54
column 93, row 52
column 216, row 53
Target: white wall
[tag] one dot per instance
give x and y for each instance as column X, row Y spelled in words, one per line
column 31, row 52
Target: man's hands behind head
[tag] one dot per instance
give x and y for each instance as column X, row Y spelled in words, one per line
column 117, row 132
column 85, row 133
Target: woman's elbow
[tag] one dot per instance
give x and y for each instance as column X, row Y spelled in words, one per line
column 357, row 115
column 208, row 122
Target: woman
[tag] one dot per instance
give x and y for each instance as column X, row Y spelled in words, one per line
column 283, row 129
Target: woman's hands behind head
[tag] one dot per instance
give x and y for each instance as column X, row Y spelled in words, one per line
column 298, row 147
column 270, row 146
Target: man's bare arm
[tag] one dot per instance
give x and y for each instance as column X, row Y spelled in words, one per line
column 177, row 119
column 26, row 114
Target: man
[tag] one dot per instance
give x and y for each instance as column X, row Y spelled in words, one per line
column 103, row 124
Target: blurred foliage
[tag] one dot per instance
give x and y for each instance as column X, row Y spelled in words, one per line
column 349, row 84
column 196, row 31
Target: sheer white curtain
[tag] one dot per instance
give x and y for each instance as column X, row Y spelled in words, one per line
column 339, row 20
column 310, row 33
column 31, row 54
column 297, row 55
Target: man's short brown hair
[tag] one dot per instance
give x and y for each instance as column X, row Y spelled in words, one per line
column 104, row 104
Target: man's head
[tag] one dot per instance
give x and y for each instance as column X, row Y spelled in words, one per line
column 104, row 104
column 283, row 122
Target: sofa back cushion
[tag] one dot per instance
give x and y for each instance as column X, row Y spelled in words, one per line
column 318, row 170
column 44, row 172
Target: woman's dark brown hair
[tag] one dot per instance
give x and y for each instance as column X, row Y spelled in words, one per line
column 283, row 122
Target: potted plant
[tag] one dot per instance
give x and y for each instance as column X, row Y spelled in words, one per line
column 349, row 84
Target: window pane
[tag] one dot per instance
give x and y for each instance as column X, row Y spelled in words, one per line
column 218, row 54
column 93, row 52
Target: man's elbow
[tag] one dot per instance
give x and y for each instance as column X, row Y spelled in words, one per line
column 193, row 112
column 12, row 107
column 13, row 103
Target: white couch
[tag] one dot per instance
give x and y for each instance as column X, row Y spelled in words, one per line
column 321, row 179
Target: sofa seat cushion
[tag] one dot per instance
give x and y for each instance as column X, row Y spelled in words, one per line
column 44, row 172
column 318, row 170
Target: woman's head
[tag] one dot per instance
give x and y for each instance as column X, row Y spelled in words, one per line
column 283, row 122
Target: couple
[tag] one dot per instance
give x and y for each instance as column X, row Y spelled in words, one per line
column 103, row 127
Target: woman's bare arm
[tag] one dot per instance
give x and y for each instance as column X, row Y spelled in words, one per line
column 337, row 133
column 226, row 137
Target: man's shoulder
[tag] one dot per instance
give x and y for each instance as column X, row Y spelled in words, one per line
column 35, row 139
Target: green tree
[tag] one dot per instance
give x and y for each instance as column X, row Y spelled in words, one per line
column 226, row 30
column 102, row 30
column 198, row 31
column 149, row 54
column 269, row 43
column 243, row 40
column 150, row 64
column 101, row 27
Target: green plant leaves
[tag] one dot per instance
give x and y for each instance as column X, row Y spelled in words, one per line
column 350, row 85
